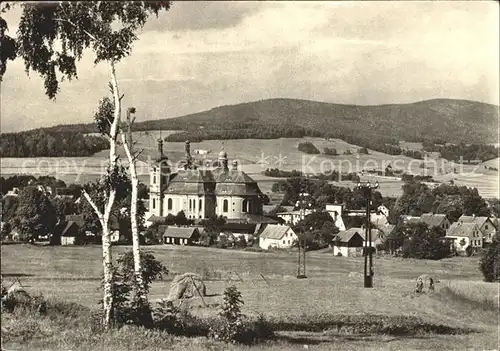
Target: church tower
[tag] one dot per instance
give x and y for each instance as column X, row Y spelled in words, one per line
column 159, row 176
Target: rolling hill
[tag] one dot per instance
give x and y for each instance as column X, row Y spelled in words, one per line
column 452, row 120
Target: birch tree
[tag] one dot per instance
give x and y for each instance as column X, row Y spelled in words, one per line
column 52, row 37
column 128, row 144
column 103, row 117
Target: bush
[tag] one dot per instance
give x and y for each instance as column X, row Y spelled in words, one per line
column 128, row 307
column 330, row 151
column 234, row 327
column 490, row 262
column 363, row 151
column 178, row 321
column 423, row 242
column 308, row 148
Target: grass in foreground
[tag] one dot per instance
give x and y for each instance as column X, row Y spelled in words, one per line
column 71, row 326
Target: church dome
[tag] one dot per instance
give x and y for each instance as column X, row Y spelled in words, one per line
column 222, row 154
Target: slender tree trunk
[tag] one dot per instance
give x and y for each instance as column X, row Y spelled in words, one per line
column 128, row 145
column 106, row 238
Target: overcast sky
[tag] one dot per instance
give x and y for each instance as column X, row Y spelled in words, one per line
column 201, row 55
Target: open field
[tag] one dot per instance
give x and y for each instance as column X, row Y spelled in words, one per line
column 254, row 156
column 461, row 300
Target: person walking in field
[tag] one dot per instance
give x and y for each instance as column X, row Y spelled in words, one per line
column 431, row 284
column 420, row 286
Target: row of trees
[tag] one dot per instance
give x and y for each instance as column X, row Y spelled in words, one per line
column 21, row 181
column 40, row 143
column 452, row 200
column 251, row 131
column 463, row 152
column 323, row 193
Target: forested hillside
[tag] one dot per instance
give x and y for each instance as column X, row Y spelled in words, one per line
column 375, row 127
column 43, row 143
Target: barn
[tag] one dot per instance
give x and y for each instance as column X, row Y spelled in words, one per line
column 181, row 235
column 348, row 243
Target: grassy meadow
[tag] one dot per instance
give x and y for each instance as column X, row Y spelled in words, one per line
column 254, row 156
column 268, row 286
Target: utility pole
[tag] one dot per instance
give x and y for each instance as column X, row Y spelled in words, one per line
column 366, row 190
column 302, row 203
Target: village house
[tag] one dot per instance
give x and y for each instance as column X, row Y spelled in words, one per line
column 485, row 225
column 378, row 217
column 292, row 217
column 277, row 236
column 67, row 233
column 336, row 211
column 431, row 219
column 348, row 243
column 465, row 235
column 181, row 235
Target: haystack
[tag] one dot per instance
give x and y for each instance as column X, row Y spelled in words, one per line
column 16, row 295
column 185, row 286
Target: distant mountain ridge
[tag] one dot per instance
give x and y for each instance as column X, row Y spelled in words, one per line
column 452, row 120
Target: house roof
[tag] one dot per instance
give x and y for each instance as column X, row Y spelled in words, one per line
column 478, row 220
column 180, row 232
column 346, row 235
column 70, row 230
column 156, row 219
column 274, row 231
column 433, row 220
column 78, row 219
column 462, row 229
column 386, row 229
column 361, row 231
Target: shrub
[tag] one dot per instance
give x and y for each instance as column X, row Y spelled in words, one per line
column 230, row 325
column 490, row 262
column 234, row 327
column 128, row 307
column 330, row 151
column 363, row 151
column 178, row 321
column 308, row 148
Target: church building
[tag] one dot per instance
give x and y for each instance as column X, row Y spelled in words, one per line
column 202, row 193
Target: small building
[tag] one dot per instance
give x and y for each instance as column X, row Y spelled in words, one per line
column 348, row 243
column 376, row 237
column 181, row 235
column 466, row 235
column 277, row 236
column 292, row 217
column 71, row 235
column 336, row 211
column 436, row 220
column 485, row 225
column 67, row 233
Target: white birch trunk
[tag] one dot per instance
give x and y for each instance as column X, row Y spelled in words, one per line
column 106, row 238
column 141, row 290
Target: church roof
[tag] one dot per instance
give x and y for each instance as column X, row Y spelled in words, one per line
column 222, row 182
column 193, row 176
column 231, row 176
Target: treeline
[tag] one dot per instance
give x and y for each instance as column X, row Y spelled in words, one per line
column 21, row 181
column 451, row 200
column 323, row 193
column 40, row 143
column 278, row 173
column 326, row 176
column 413, row 154
column 243, row 131
column 463, row 152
